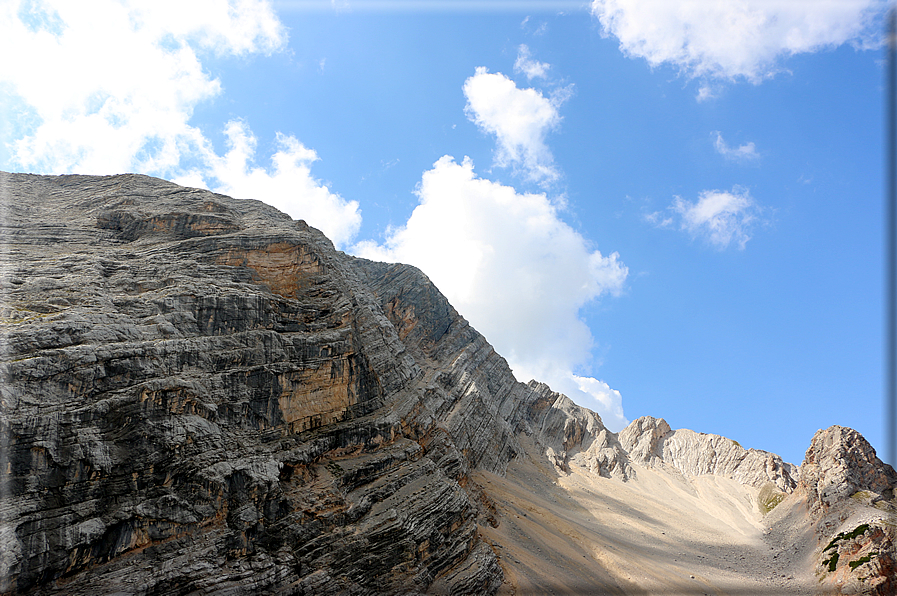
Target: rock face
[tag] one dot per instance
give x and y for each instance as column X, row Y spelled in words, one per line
column 573, row 435
column 199, row 395
column 850, row 498
column 841, row 463
column 651, row 441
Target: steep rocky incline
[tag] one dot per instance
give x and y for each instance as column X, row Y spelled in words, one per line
column 201, row 394
column 475, row 375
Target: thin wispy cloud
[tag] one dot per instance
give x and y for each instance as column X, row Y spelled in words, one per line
column 502, row 257
column 705, row 93
column 742, row 153
column 520, row 119
column 525, row 64
column 721, row 218
column 725, row 39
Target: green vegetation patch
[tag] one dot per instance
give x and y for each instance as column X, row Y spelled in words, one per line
column 334, row 468
column 769, row 497
column 832, row 562
column 861, row 560
column 858, row 531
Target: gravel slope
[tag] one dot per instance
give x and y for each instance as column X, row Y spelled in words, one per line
column 660, row 533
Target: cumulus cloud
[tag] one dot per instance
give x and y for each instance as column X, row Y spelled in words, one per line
column 732, row 39
column 746, row 152
column 288, row 185
column 525, row 64
column 515, row 270
column 123, row 101
column 520, row 119
column 721, row 218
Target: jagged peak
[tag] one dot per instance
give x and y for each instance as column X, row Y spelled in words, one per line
column 650, row 441
column 839, row 463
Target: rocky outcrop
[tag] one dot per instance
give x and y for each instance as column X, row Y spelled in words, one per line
column 643, row 439
column 839, row 464
column 651, row 441
column 850, row 499
column 573, row 435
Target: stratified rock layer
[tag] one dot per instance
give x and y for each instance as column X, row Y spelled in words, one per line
column 199, row 395
column 651, row 441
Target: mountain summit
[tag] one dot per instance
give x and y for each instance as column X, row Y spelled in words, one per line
column 201, row 395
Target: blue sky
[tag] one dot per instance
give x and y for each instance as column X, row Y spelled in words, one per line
column 659, row 207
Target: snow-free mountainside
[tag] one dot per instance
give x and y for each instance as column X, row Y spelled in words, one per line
column 201, row 396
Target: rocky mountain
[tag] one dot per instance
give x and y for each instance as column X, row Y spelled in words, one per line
column 202, row 396
column 849, row 494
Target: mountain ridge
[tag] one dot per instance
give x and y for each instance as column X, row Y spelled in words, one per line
column 203, row 382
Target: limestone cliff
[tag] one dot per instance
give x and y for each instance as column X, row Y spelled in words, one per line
column 651, row 441
column 199, row 395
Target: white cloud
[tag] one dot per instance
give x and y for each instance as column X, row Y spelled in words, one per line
column 720, row 217
column 515, row 270
column 289, row 185
column 227, row 27
column 519, row 118
column 610, row 399
column 533, row 69
column 430, row 6
column 705, row 92
column 746, row 152
column 731, row 39
column 122, row 100
column 658, row 219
